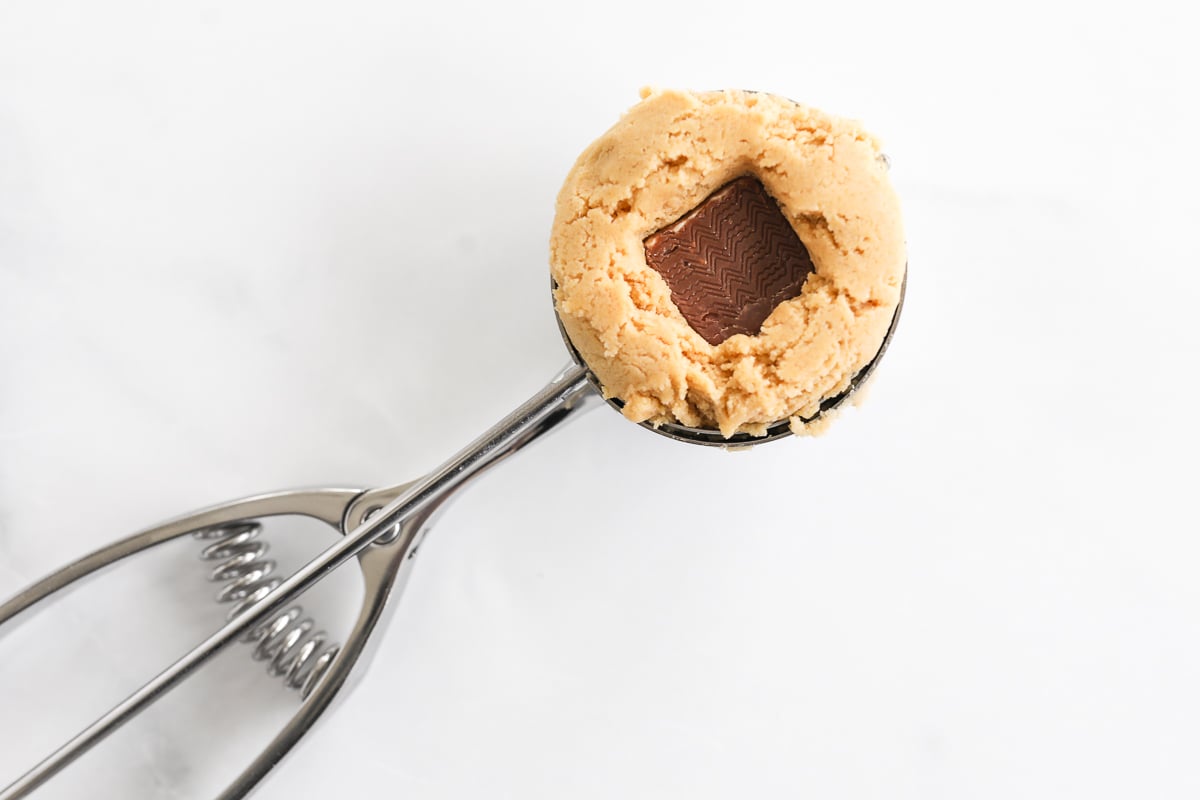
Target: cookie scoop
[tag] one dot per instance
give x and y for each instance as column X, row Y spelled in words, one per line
column 728, row 267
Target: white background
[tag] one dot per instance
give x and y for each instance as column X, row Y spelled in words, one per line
column 256, row 245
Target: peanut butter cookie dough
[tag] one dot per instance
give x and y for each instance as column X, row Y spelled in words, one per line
column 727, row 259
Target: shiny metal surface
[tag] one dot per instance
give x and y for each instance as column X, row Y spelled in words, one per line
column 382, row 528
column 293, row 646
column 393, row 519
column 242, row 566
column 324, row 505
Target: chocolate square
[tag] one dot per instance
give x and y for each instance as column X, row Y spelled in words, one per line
column 730, row 261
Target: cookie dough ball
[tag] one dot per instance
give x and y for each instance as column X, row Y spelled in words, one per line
column 727, row 259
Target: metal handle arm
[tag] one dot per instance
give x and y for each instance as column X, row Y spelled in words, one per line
column 564, row 395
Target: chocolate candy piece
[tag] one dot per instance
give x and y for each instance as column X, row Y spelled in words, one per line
column 729, row 261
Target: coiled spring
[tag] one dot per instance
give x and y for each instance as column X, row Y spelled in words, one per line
column 289, row 642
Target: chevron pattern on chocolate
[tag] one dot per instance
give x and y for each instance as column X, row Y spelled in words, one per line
column 730, row 261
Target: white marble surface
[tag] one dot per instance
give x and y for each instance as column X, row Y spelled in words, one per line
column 256, row 245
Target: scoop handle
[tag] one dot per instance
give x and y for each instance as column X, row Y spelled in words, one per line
column 563, row 397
